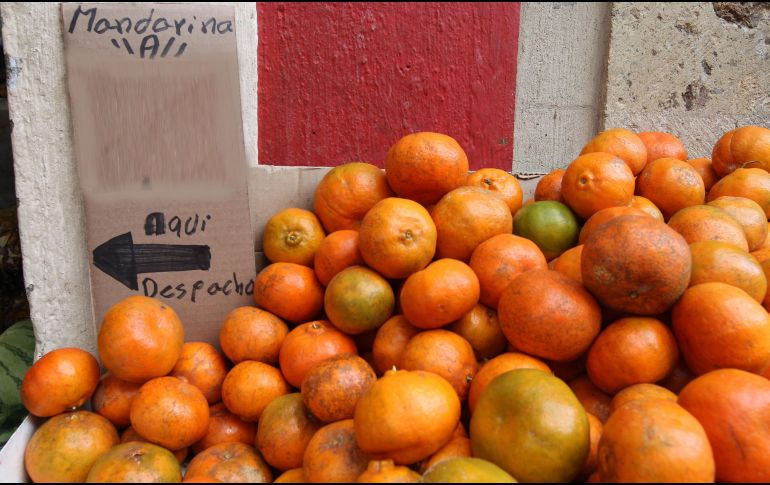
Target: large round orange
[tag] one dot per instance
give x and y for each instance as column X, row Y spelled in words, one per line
column 440, row 294
column 606, row 215
column 112, row 399
column 752, row 183
column 250, row 386
column 593, row 399
column 662, row 145
column 285, row 429
column 500, row 183
column 497, row 366
column 734, row 408
column 481, row 328
column 61, row 380
column 225, row 427
column 568, row 263
column 549, row 186
column 336, row 252
column 656, row 442
column 332, row 388
column 424, row 166
column 546, row 314
column 631, row 351
column 333, row 456
column 390, row 342
column 744, row 146
column 708, row 223
column 465, row 218
column 66, row 446
column 292, row 236
column 136, row 462
column 347, row 192
column 249, row 333
column 720, row 261
column 290, row 291
column 140, row 338
column 397, row 237
column 385, row 471
column 621, row 143
column 406, row 416
column 443, row 353
column 705, row 170
column 230, row 463
column 718, row 325
column 671, row 184
column 204, row 367
column 358, row 300
column 499, row 259
column 596, row 181
column 636, row 264
column 646, row 205
column 644, row 391
column 749, row 215
column 170, row 412
column 309, row 344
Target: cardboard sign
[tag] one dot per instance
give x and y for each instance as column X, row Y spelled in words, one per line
column 158, row 135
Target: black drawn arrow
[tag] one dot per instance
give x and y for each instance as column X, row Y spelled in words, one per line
column 123, row 260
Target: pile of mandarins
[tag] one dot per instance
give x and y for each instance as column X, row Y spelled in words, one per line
column 426, row 325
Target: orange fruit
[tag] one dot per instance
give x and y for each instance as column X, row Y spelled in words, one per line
column 61, row 380
column 290, row 291
column 593, row 399
column 749, row 215
column 385, row 471
column 225, row 427
column 705, row 170
column 747, row 146
column 765, row 265
column 497, row 366
column 250, row 386
column 309, row 344
column 390, row 342
column 644, row 391
column 481, row 328
column 336, row 252
column 285, row 429
column 332, row 388
column 249, row 333
column 204, row 367
column 333, row 456
column 457, row 446
column 705, row 223
column 631, row 351
column 621, row 143
column 752, row 183
column 549, row 186
column 568, row 263
column 606, row 215
column 595, row 434
column 646, row 205
column 424, row 166
column 140, row 338
column 112, row 400
column 466, row 470
column 397, row 237
column 550, row 225
column 130, row 434
column 500, row 183
column 295, row 475
column 292, row 236
column 358, row 300
column 723, row 262
column 136, row 462
column 718, row 326
column 671, row 185
column 596, row 181
column 663, row 436
column 440, row 294
column 733, row 407
column 662, row 145
column 545, row 314
column 230, row 463
column 347, row 192
column 465, row 218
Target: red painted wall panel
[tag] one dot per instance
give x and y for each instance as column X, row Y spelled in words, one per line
column 341, row 82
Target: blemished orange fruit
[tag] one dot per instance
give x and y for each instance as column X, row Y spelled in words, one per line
column 568, row 263
column 466, row 469
column 225, row 427
column 670, row 442
column 631, row 351
column 292, row 236
column 546, row 314
column 662, row 145
column 112, row 400
column 622, row 143
column 443, row 292
column 249, row 333
column 500, row 365
column 332, row 389
column 397, row 237
column 606, row 215
column 593, row 399
column 385, row 471
column 595, row 181
column 285, row 429
column 64, row 448
column 406, row 416
column 734, row 408
column 708, row 223
column 644, row 391
column 723, row 262
column 130, row 434
column 752, row 183
column 250, row 386
column 595, row 434
column 309, row 344
column 336, row 252
column 465, row 218
column 347, row 192
column 445, row 354
column 295, row 475
column 424, row 166
column 549, row 186
column 61, row 380
column 481, row 328
column 390, row 342
column 290, row 291
column 500, row 183
column 204, row 367
column 333, row 455
column 671, row 185
column 636, row 264
column 231, row 463
column 140, row 338
column 499, row 259
column 705, row 170
column 646, row 205
column 136, row 462
column 718, row 325
column 749, row 215
column 745, row 146
column 358, row 300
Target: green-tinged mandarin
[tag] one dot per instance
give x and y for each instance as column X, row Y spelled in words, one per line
column 358, row 300
column 466, row 470
column 136, row 462
column 549, row 224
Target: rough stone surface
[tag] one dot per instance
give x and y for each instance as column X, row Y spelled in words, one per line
column 694, row 69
